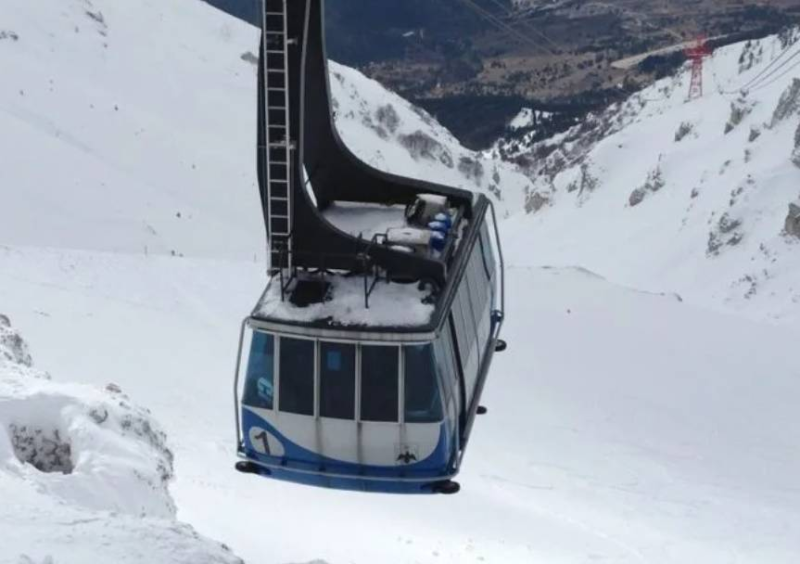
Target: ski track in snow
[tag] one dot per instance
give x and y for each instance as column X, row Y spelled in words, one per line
column 624, row 425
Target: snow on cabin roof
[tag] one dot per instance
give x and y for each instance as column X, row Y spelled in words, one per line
column 390, row 305
column 364, row 219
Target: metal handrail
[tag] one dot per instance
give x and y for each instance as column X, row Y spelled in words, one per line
column 367, row 265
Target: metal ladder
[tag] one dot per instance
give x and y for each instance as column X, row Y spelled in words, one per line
column 279, row 149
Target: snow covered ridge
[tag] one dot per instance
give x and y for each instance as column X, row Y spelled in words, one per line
column 85, row 469
column 695, row 197
column 393, row 135
column 146, row 146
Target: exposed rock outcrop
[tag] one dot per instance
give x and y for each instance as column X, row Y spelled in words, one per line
column 788, row 105
column 793, row 221
column 422, row 146
column 654, row 183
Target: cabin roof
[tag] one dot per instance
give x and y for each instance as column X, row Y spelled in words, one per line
column 391, row 305
column 396, row 307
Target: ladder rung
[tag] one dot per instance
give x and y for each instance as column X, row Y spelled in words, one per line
column 277, row 181
column 274, row 13
column 277, row 126
column 278, row 199
column 276, row 107
column 276, row 89
column 274, row 33
column 282, row 71
column 273, row 51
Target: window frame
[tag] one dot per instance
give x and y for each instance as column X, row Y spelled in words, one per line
column 444, row 386
column 400, row 382
column 279, row 350
column 274, row 375
column 318, row 377
column 442, row 392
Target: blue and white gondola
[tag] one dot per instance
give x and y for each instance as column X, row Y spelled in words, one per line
column 332, row 394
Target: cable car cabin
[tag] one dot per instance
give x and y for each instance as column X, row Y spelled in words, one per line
column 362, row 365
column 373, row 389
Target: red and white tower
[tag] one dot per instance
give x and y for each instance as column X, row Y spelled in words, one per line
column 696, row 53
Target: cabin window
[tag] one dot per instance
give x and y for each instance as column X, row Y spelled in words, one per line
column 423, row 403
column 259, row 388
column 478, row 291
column 466, row 337
column 297, row 376
column 337, row 380
column 379, row 383
column 445, row 364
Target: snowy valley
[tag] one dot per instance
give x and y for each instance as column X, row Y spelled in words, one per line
column 694, row 198
column 644, row 412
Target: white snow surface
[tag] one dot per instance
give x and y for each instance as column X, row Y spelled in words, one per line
column 365, row 220
column 523, row 119
column 624, row 425
column 83, row 473
column 116, row 140
column 390, row 304
column 391, row 134
column 527, row 118
column 712, row 228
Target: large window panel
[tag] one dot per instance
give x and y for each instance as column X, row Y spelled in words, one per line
column 422, row 400
column 478, row 282
column 445, row 363
column 485, row 326
column 471, row 307
column 487, row 250
column 259, row 387
column 471, row 373
column 337, row 380
column 467, row 337
column 297, row 376
column 380, row 383
column 484, row 331
column 461, row 324
column 479, row 291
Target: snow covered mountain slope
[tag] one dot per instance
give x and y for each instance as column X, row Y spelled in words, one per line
column 693, row 197
column 623, row 425
column 113, row 128
column 609, row 436
column 391, row 134
column 83, row 474
column 117, row 122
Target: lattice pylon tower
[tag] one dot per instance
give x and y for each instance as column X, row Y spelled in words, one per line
column 696, row 54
